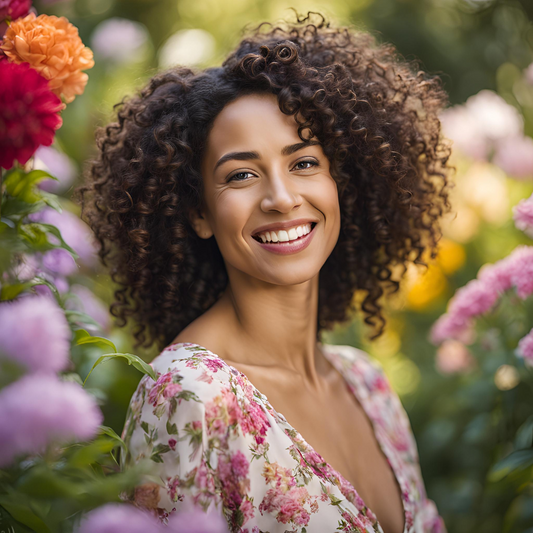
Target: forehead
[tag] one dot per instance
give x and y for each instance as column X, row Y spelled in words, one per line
column 252, row 122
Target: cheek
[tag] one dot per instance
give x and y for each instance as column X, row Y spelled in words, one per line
column 230, row 217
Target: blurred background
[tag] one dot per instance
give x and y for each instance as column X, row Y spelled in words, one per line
column 467, row 405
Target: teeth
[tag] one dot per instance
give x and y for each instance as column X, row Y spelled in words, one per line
column 284, row 235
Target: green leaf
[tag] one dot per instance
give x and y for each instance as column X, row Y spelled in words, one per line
column 172, row 429
column 134, row 360
column 110, row 432
column 518, row 460
column 21, row 185
column 75, row 317
column 86, row 338
column 91, row 453
column 10, row 292
column 51, row 200
column 22, row 513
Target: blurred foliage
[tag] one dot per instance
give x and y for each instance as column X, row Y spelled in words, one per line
column 464, row 423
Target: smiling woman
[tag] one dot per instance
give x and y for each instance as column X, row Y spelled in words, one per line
column 239, row 209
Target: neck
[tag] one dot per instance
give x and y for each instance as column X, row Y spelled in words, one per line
column 273, row 325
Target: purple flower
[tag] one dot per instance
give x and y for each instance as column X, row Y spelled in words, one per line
column 119, row 518
column 193, row 519
column 521, row 268
column 88, row 303
column 119, row 40
column 514, row 155
column 38, row 409
column 34, row 332
column 525, row 348
column 523, row 215
column 59, row 165
column 59, row 261
column 75, row 232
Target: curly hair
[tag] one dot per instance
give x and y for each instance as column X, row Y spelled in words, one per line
column 376, row 118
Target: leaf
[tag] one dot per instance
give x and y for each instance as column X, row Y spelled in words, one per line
column 172, row 429
column 10, row 292
column 517, row 460
column 92, row 452
column 134, row 360
column 82, row 336
column 54, row 231
column 22, row 185
column 22, row 513
column 82, row 317
column 110, row 432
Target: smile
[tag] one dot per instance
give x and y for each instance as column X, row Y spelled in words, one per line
column 286, row 241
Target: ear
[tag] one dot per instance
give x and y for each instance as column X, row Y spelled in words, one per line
column 200, row 223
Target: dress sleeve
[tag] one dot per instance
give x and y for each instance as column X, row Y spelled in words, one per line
column 186, row 424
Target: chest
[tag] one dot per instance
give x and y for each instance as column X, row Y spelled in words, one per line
column 337, row 427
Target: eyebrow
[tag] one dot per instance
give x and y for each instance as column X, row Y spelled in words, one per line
column 244, row 156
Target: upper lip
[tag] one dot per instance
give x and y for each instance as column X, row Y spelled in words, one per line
column 275, row 226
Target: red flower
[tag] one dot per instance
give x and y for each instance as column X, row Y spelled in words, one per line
column 28, row 113
column 14, row 8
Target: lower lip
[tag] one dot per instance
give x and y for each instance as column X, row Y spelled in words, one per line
column 291, row 247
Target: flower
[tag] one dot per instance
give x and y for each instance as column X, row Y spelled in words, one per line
column 14, row 9
column 484, row 119
column 39, row 409
column 59, row 261
column 525, row 348
column 28, row 113
column 119, row 40
column 450, row 326
column 196, row 520
column 453, row 357
column 116, row 518
column 34, row 332
column 523, row 215
column 475, row 298
column 521, row 270
column 56, row 163
column 84, row 300
column 514, row 155
column 73, row 230
column 52, row 46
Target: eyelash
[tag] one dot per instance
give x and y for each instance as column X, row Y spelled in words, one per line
column 313, row 163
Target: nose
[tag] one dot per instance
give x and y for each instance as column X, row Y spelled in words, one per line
column 280, row 194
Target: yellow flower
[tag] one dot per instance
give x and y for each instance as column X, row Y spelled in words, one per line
column 52, row 46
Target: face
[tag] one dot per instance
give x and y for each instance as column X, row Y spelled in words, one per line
column 263, row 184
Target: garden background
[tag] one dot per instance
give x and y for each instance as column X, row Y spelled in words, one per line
column 471, row 402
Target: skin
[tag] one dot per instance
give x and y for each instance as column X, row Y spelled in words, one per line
column 265, row 323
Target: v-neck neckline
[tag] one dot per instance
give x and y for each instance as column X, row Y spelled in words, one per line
column 353, row 386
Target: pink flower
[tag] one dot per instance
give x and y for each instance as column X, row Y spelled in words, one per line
column 497, row 275
column 14, row 8
column 158, row 393
column 239, row 464
column 35, row 333
column 475, row 298
column 450, row 326
column 117, row 518
column 37, row 410
column 172, row 443
column 523, row 215
column 453, row 357
column 525, row 348
column 521, row 269
column 514, row 155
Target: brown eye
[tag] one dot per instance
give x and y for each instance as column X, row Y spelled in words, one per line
column 234, row 178
column 312, row 163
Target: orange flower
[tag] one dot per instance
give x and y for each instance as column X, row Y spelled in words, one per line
column 52, row 46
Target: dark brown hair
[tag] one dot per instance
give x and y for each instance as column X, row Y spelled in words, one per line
column 376, row 118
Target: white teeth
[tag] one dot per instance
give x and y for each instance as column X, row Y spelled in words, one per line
column 285, row 235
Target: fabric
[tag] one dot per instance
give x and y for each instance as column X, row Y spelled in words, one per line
column 215, row 441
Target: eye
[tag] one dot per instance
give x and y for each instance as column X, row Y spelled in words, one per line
column 306, row 162
column 233, row 177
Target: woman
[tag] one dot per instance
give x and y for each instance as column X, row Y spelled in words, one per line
column 240, row 209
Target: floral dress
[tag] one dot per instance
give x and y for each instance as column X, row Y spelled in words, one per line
column 216, row 442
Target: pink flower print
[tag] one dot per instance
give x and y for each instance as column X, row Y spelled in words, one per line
column 172, row 444
column 247, row 510
column 213, row 364
column 172, row 488
column 289, row 505
column 239, row 464
column 254, row 421
column 222, row 412
column 280, row 476
column 157, row 393
column 204, row 478
column 205, row 376
column 172, row 390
